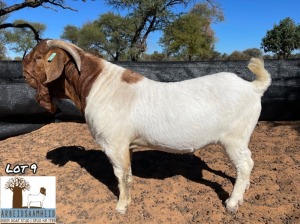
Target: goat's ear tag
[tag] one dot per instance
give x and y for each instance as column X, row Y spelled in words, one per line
column 51, row 57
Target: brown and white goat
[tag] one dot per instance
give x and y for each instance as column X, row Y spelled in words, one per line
column 125, row 110
column 37, row 198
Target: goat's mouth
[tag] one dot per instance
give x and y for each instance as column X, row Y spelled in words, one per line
column 28, row 79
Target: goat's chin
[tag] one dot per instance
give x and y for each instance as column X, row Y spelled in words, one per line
column 52, row 109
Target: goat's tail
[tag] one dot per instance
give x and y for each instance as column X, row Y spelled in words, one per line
column 263, row 78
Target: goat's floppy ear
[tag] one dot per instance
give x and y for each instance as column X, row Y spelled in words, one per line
column 54, row 65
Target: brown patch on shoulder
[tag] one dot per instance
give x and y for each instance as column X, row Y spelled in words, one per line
column 131, row 77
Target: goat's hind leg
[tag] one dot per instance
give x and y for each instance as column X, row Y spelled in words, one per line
column 240, row 156
column 129, row 179
column 120, row 160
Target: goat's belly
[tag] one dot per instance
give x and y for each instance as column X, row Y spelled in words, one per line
column 171, row 148
column 160, row 147
column 179, row 141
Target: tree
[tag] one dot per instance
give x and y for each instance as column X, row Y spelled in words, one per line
column 116, row 34
column 2, row 51
column 156, row 56
column 90, row 38
column 121, row 36
column 191, row 35
column 3, row 17
column 253, row 52
column 50, row 4
column 244, row 55
column 282, row 39
column 147, row 17
column 22, row 40
column 71, row 33
column 236, row 56
column 2, row 46
column 110, row 34
column 17, row 185
column 215, row 55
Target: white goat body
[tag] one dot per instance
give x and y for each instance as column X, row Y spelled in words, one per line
column 125, row 110
column 37, row 198
column 183, row 115
column 176, row 117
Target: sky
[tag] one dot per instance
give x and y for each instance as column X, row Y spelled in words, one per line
column 246, row 21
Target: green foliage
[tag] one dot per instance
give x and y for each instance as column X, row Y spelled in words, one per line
column 2, row 17
column 245, row 55
column 190, row 36
column 147, row 17
column 21, row 40
column 156, row 56
column 212, row 13
column 71, row 33
column 253, row 52
column 282, row 39
column 2, row 51
column 2, row 46
column 110, row 34
column 236, row 56
column 120, row 37
column 89, row 38
column 116, row 34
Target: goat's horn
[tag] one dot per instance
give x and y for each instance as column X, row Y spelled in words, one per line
column 67, row 47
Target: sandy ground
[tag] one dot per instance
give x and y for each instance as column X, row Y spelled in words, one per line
column 167, row 188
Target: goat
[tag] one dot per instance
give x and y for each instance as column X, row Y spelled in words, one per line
column 37, row 198
column 125, row 110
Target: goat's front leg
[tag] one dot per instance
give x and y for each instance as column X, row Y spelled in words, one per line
column 120, row 159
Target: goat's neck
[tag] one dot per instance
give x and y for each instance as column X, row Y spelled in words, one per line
column 78, row 85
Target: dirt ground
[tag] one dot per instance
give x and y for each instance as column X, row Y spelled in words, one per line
column 167, row 188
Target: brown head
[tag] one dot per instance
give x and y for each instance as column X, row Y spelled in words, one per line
column 43, row 191
column 53, row 68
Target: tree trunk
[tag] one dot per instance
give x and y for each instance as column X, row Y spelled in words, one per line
column 116, row 57
column 17, row 197
column 24, row 25
column 141, row 47
column 134, row 57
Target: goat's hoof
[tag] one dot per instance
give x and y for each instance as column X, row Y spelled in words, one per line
column 121, row 209
column 122, row 212
column 232, row 208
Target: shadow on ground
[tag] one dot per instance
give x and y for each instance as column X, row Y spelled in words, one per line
column 293, row 124
column 145, row 164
